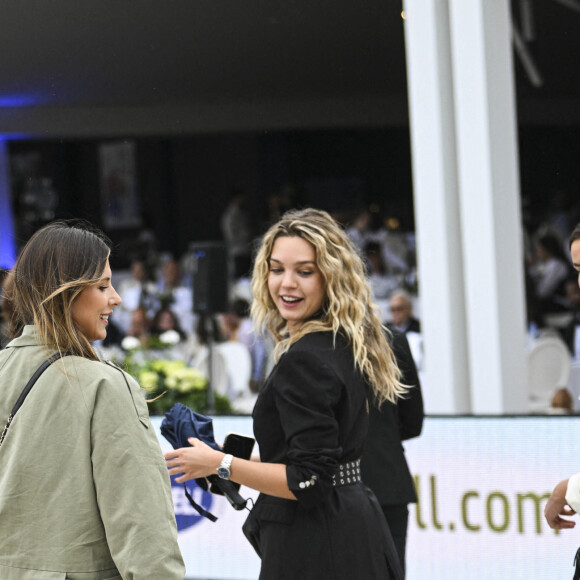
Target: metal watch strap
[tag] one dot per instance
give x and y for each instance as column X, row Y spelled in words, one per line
column 226, row 464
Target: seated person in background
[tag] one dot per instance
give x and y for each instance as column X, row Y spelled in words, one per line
column 379, row 280
column 164, row 320
column 550, row 272
column 138, row 291
column 173, row 293
column 359, row 231
column 401, row 307
column 139, row 326
column 402, row 320
column 241, row 328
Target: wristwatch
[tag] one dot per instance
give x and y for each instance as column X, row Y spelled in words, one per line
column 224, row 470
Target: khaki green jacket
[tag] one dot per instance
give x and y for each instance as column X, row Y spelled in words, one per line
column 84, row 489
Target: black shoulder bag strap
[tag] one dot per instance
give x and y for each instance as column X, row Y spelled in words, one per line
column 27, row 389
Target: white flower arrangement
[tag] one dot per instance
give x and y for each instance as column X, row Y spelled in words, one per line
column 165, row 381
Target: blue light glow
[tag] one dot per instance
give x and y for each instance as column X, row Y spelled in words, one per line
column 18, row 101
column 7, row 241
column 16, row 136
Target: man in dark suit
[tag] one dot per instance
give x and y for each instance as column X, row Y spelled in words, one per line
column 384, row 467
column 401, row 307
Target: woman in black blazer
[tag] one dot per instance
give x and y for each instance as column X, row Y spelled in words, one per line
column 314, row 518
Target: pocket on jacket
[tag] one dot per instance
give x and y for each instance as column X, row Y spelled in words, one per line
column 251, row 529
column 267, row 509
column 275, row 509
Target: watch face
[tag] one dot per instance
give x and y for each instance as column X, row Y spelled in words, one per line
column 223, row 472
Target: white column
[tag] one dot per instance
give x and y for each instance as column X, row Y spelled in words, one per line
column 490, row 203
column 7, row 241
column 437, row 213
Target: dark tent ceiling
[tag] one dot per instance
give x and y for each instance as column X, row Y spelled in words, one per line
column 114, row 64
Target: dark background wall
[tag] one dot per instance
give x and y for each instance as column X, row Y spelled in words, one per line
column 183, row 182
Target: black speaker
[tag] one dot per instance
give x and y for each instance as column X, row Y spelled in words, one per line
column 210, row 277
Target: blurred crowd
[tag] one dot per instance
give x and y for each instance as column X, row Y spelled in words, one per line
column 157, row 290
column 551, row 283
column 157, row 293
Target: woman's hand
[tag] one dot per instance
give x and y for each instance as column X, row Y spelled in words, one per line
column 557, row 507
column 199, row 460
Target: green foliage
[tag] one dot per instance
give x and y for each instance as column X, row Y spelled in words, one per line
column 167, row 382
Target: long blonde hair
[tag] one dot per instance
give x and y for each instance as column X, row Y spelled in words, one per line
column 59, row 261
column 347, row 309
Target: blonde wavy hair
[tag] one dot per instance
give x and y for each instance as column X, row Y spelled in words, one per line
column 58, row 262
column 347, row 309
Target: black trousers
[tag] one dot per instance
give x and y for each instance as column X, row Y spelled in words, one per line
column 398, row 518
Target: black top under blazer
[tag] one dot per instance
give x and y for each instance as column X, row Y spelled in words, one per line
column 311, row 415
column 384, row 467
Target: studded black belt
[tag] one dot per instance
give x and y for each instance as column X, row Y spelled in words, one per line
column 347, row 473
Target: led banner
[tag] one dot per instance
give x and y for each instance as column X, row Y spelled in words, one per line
column 482, row 484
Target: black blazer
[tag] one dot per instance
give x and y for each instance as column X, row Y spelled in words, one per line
column 311, row 415
column 384, row 467
column 413, row 325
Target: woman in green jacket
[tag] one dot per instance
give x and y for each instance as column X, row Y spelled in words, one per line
column 84, row 490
